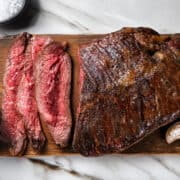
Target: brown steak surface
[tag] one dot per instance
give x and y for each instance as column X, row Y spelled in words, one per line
column 130, row 85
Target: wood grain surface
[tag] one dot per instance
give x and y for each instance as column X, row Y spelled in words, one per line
column 152, row 144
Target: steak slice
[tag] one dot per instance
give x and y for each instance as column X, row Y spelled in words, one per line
column 53, row 83
column 129, row 87
column 12, row 126
column 26, row 101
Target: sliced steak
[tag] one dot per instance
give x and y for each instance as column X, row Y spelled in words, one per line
column 130, row 86
column 12, row 126
column 26, row 101
column 53, row 83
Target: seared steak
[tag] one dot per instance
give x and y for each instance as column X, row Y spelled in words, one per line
column 26, row 102
column 12, row 126
column 53, row 83
column 130, row 85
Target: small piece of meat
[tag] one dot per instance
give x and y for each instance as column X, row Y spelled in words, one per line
column 26, row 102
column 129, row 87
column 53, row 83
column 12, row 125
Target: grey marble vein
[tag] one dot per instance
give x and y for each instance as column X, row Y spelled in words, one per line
column 172, row 170
column 62, row 19
column 57, row 167
column 81, row 12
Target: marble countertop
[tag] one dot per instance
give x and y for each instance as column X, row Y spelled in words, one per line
column 94, row 16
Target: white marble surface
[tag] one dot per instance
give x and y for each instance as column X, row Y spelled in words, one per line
column 96, row 16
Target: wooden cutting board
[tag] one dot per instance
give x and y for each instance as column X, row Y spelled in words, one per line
column 153, row 144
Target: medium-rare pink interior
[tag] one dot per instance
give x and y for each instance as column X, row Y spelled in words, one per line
column 12, row 125
column 26, row 103
column 53, row 83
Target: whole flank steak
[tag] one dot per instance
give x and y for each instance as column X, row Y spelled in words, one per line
column 129, row 87
column 53, row 85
